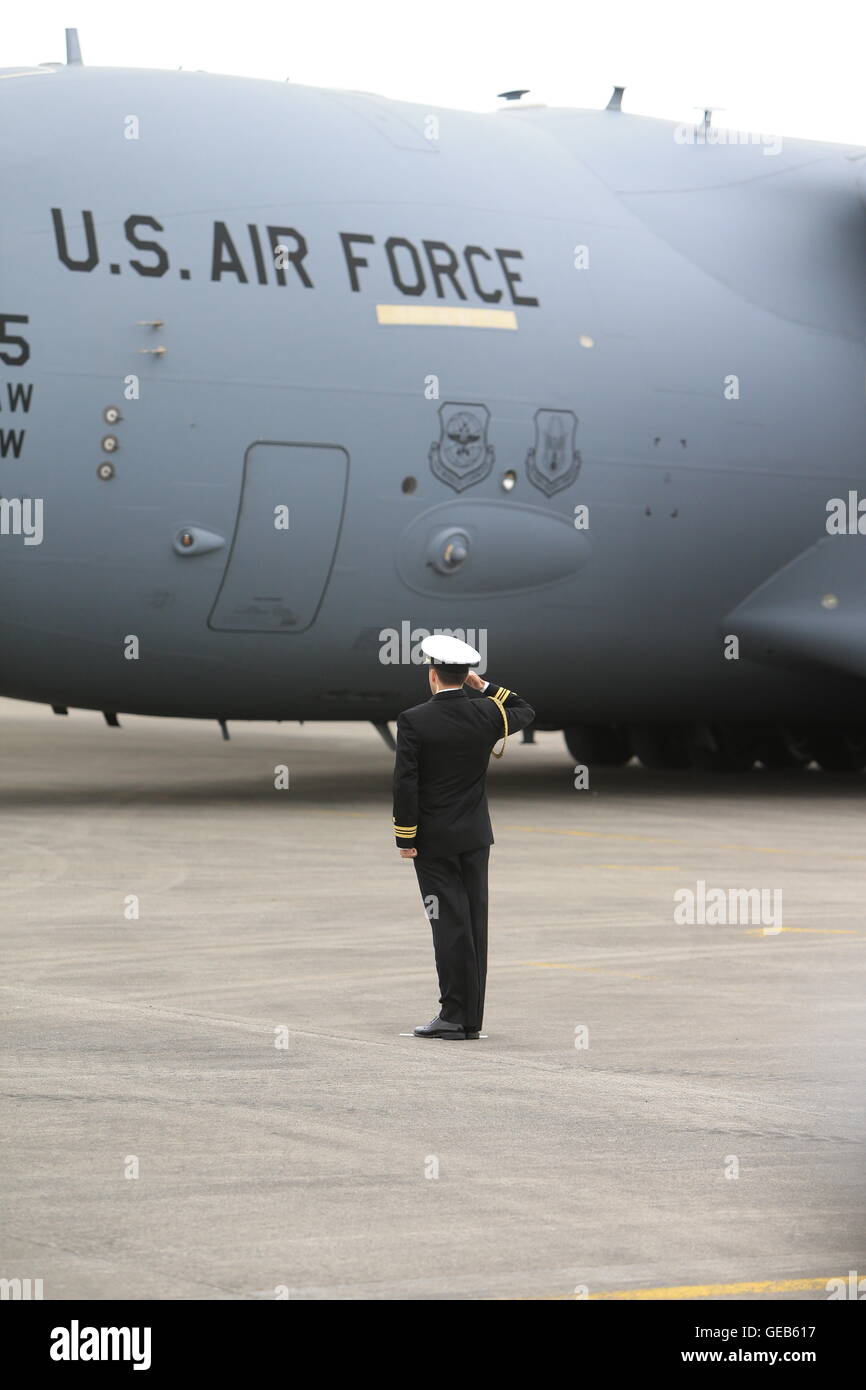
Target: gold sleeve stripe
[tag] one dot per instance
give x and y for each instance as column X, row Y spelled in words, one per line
column 501, row 695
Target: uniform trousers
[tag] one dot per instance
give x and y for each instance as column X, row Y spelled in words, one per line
column 454, row 889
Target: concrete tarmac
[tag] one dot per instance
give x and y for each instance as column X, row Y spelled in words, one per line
column 206, row 980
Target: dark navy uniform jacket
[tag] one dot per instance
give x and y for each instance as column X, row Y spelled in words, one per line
column 440, row 776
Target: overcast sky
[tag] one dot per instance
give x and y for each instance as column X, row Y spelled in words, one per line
column 776, row 66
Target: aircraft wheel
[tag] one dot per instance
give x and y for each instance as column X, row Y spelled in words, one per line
column 718, row 749
column 837, row 751
column 778, row 751
column 598, row 745
column 660, row 747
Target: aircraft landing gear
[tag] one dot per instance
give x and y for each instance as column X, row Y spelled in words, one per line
column 598, row 745
column 719, row 748
column 837, row 750
column 716, row 748
column 661, row 747
column 778, row 752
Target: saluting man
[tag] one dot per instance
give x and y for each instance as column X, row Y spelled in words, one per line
column 441, row 820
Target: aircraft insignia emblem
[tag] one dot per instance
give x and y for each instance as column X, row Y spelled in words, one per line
column 554, row 462
column 461, row 455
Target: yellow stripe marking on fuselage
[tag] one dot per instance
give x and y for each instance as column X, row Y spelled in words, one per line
column 443, row 316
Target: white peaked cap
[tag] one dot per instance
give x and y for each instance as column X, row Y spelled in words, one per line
column 449, row 651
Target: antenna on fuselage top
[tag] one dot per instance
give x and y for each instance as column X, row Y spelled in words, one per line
column 709, row 112
column 615, row 103
column 73, row 49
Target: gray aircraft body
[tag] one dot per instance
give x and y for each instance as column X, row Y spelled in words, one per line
column 290, row 378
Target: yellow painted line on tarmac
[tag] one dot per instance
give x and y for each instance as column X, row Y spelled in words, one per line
column 588, row 969
column 598, row 834
column 612, row 835
column 818, row 931
column 801, row 853
column 671, row 840
column 684, row 1291
column 639, row 868
column 758, row 849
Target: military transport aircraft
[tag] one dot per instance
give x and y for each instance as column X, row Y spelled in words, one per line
column 290, row 378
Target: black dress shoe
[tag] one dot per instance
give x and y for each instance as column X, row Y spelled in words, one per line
column 438, row 1028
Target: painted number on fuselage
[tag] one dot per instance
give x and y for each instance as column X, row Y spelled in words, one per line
column 14, row 396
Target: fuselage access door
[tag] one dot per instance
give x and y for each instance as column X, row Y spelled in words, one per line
column 286, row 536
